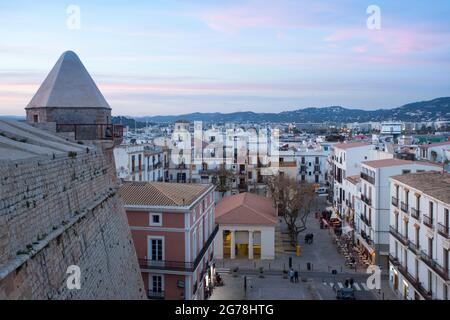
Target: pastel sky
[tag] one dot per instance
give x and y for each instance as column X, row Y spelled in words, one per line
column 171, row 57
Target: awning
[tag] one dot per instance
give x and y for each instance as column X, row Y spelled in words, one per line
column 335, row 216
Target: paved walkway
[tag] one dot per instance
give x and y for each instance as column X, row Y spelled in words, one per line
column 322, row 255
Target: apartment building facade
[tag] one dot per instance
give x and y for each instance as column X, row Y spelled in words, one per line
column 141, row 162
column 173, row 229
column 419, row 236
column 372, row 222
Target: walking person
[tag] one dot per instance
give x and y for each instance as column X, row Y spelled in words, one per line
column 296, row 276
column 291, row 275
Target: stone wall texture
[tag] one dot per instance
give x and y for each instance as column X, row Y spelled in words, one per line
column 61, row 211
column 67, row 115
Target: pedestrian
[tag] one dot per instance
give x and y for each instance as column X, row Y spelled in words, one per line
column 291, row 275
column 351, row 282
column 347, row 282
column 296, row 276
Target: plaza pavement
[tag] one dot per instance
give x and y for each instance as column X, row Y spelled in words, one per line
column 316, row 283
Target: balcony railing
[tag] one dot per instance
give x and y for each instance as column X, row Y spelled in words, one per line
column 415, row 213
column 366, row 221
column 155, row 295
column 443, row 230
column 394, row 201
column 368, row 178
column 414, row 247
column 393, row 260
column 398, row 235
column 414, row 282
column 404, row 207
column 366, row 200
column 428, row 221
column 435, row 266
column 179, row 265
column 97, row 131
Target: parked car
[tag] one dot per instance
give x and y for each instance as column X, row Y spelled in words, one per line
column 322, row 190
column 345, row 294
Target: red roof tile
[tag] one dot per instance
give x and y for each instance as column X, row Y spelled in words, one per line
column 246, row 208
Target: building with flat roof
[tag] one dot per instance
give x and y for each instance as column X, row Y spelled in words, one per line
column 419, row 235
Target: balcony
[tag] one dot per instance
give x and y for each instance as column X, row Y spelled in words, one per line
column 394, row 201
column 414, row 247
column 415, row 213
column 414, row 282
column 393, row 260
column 155, row 295
column 435, row 266
column 366, row 200
column 404, row 207
column 366, row 221
column 368, row 178
column 428, row 221
column 443, row 230
column 179, row 265
column 397, row 235
column 103, row 131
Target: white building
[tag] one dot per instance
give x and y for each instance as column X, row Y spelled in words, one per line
column 420, row 238
column 246, row 227
column 372, row 223
column 141, row 162
column 346, row 161
column 436, row 152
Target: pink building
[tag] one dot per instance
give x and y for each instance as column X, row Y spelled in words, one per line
column 173, row 229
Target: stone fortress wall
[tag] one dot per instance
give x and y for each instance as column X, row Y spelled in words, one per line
column 61, row 210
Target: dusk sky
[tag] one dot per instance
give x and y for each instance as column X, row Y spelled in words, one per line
column 172, row 57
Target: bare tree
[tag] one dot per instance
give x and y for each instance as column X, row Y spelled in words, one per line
column 294, row 201
column 223, row 180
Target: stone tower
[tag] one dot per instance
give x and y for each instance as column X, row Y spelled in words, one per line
column 59, row 203
column 68, row 96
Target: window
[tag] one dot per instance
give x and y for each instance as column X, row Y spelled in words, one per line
column 156, row 249
column 194, row 244
column 156, row 283
column 156, row 219
column 431, row 210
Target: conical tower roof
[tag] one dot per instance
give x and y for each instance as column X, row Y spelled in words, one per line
column 68, row 85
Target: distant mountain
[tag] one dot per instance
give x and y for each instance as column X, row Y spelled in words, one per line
column 18, row 118
column 433, row 110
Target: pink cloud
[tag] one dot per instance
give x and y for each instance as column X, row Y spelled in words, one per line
column 393, row 40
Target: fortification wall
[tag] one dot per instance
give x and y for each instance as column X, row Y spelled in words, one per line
column 62, row 211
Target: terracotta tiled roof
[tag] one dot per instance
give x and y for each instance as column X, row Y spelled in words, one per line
column 349, row 145
column 246, row 208
column 386, row 163
column 395, row 162
column 354, row 179
column 436, row 144
column 435, row 184
column 162, row 193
